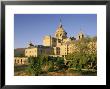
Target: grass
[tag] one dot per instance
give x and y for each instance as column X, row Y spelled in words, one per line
column 21, row 70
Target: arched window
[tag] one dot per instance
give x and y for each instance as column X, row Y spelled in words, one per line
column 79, row 37
column 17, row 61
column 82, row 35
column 21, row 61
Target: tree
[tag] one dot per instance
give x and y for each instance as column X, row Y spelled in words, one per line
column 35, row 65
column 85, row 56
column 55, row 63
column 60, row 63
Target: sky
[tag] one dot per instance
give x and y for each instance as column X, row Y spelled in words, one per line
column 33, row 27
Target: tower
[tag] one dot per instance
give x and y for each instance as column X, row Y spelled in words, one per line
column 60, row 32
column 80, row 35
column 47, row 40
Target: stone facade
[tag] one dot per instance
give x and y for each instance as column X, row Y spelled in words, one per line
column 34, row 51
column 62, row 45
column 20, row 60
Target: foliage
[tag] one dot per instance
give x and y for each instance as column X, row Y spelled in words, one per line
column 35, row 65
column 85, row 57
column 40, row 64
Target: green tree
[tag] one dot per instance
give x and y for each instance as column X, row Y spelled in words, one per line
column 60, row 63
column 35, row 65
column 85, row 56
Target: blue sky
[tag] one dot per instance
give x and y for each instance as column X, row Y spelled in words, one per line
column 32, row 27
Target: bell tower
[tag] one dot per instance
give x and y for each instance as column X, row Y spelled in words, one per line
column 60, row 32
column 80, row 35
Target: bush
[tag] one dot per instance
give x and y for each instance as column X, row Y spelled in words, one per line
column 35, row 65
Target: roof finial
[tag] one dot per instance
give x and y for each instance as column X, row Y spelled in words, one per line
column 60, row 23
column 81, row 31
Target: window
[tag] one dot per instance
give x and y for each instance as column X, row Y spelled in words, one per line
column 17, row 61
column 21, row 61
column 82, row 36
column 79, row 37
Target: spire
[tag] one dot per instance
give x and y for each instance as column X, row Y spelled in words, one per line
column 60, row 23
column 81, row 30
column 60, row 32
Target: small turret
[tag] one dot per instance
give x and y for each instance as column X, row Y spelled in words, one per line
column 80, row 35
